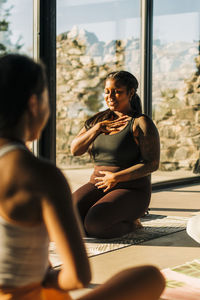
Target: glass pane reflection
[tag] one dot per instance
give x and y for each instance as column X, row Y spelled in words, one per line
column 176, row 85
column 93, row 39
column 16, row 26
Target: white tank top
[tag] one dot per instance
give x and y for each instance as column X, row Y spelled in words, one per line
column 23, row 250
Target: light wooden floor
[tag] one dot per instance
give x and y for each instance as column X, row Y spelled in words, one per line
column 166, row 251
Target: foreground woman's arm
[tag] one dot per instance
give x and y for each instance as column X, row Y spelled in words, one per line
column 64, row 229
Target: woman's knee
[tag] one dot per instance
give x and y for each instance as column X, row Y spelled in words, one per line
column 144, row 280
column 153, row 278
column 95, row 221
column 157, row 281
column 154, row 273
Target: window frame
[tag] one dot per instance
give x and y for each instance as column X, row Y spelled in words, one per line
column 45, row 17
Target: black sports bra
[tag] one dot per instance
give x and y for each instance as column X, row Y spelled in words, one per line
column 119, row 149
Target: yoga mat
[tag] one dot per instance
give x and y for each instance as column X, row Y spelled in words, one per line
column 182, row 282
column 154, row 226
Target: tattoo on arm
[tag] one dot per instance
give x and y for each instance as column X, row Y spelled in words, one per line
column 149, row 144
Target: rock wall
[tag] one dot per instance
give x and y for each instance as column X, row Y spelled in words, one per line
column 178, row 121
column 82, row 65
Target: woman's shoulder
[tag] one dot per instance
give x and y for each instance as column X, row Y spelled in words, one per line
column 30, row 180
column 39, row 171
column 44, row 179
column 142, row 119
column 144, row 122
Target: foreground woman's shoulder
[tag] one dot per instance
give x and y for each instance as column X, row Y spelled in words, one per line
column 44, row 173
column 49, row 171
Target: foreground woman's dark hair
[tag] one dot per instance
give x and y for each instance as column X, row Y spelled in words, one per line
column 16, row 87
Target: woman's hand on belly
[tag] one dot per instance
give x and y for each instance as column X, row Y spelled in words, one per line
column 107, row 181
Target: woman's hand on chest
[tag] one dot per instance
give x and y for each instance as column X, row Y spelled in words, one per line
column 113, row 126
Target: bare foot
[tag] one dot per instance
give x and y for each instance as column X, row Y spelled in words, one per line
column 137, row 224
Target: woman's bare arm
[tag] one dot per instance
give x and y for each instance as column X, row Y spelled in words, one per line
column 82, row 141
column 63, row 226
column 149, row 144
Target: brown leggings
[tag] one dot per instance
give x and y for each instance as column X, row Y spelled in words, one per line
column 111, row 214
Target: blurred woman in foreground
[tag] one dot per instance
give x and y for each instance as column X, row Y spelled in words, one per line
column 36, row 205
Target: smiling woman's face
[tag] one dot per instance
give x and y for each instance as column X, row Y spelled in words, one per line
column 116, row 96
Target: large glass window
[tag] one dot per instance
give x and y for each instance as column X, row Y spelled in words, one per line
column 16, row 26
column 176, row 85
column 94, row 37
